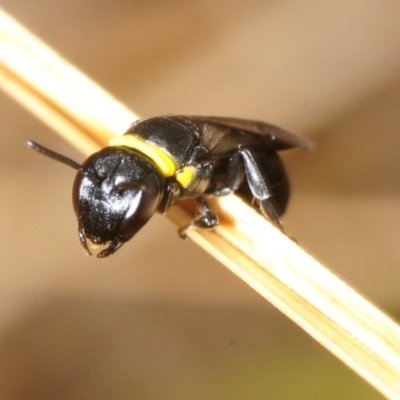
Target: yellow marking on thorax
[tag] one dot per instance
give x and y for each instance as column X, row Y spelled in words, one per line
column 164, row 162
column 186, row 175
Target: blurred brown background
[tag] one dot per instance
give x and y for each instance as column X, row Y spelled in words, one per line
column 161, row 319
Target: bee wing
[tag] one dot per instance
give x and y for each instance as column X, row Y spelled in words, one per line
column 277, row 137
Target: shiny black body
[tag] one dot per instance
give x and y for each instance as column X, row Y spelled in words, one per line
column 118, row 189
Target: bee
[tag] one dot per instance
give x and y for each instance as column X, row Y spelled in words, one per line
column 162, row 160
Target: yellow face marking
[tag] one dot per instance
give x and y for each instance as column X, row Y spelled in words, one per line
column 163, row 161
column 186, row 175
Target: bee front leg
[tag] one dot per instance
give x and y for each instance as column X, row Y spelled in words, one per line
column 206, row 220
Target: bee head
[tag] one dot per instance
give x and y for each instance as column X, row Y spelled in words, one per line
column 115, row 192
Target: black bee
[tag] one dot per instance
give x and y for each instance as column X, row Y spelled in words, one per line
column 162, row 160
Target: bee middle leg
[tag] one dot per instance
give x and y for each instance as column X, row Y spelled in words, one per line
column 234, row 176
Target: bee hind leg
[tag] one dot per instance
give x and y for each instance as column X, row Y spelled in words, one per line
column 268, row 183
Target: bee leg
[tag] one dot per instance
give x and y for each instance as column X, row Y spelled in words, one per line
column 269, row 212
column 259, row 184
column 234, row 176
column 206, row 220
column 170, row 194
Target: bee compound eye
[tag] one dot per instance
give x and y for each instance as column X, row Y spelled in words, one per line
column 143, row 205
column 76, row 196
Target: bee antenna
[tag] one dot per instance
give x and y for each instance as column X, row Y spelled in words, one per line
column 52, row 154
